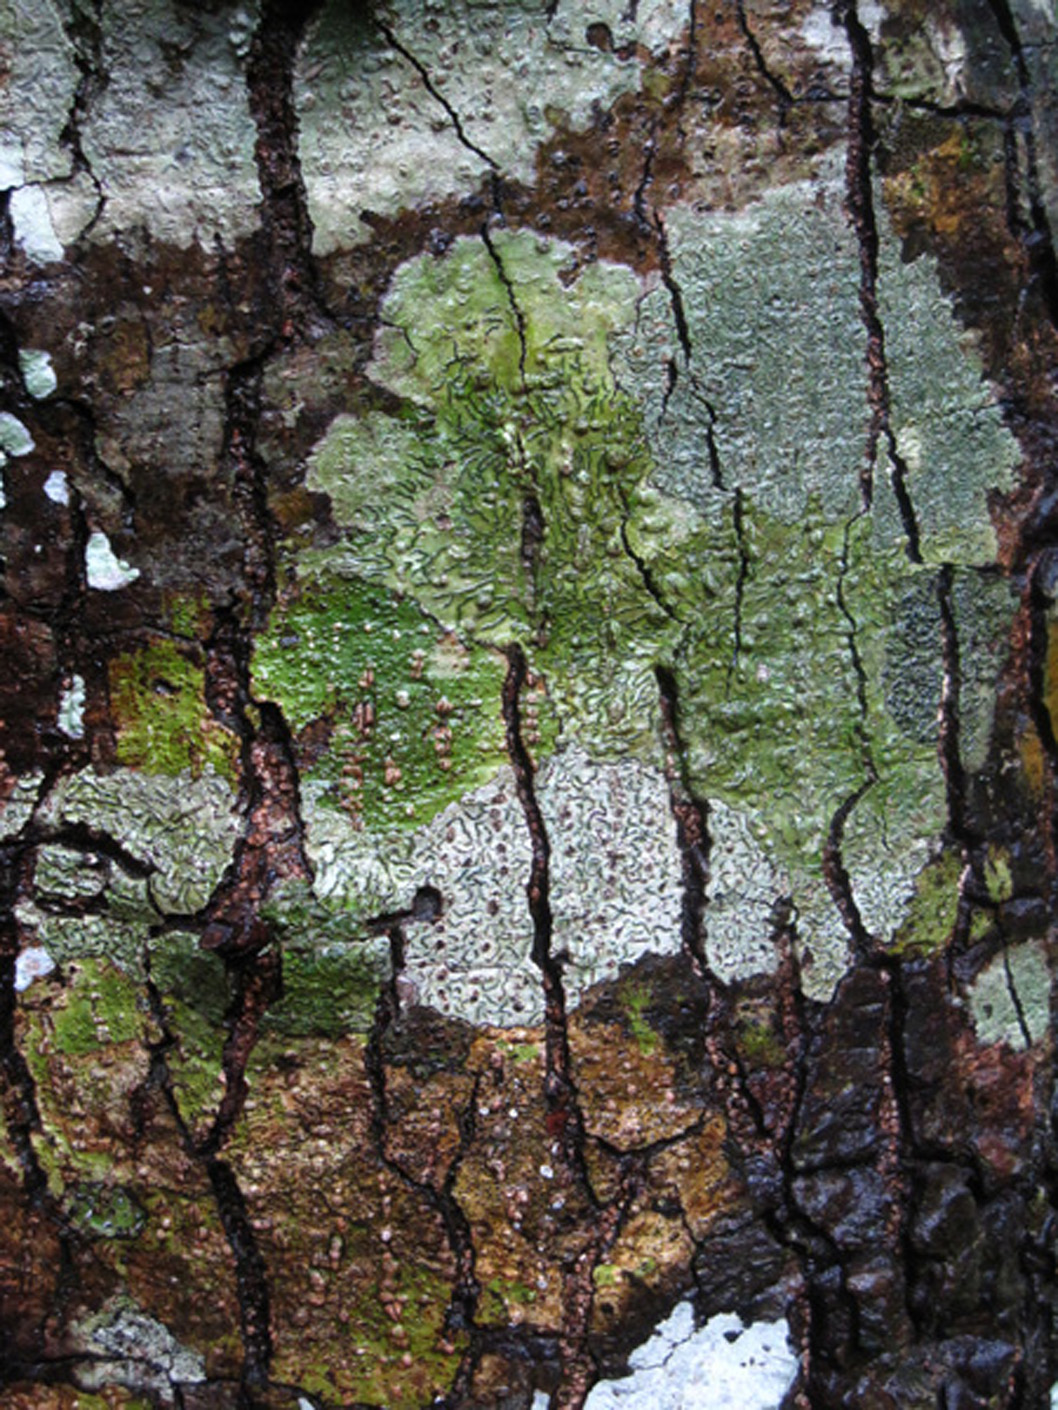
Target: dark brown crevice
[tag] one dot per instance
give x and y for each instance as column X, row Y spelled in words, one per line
column 691, row 813
column 564, row 1120
column 251, row 1275
column 300, row 306
column 83, row 27
column 739, row 525
column 858, row 668
column 1035, row 235
column 434, row 92
column 466, row 1290
column 679, row 313
column 512, row 299
column 1039, row 606
column 836, row 875
column 643, row 568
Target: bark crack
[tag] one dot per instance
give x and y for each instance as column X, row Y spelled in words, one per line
column 860, row 195
column 424, row 73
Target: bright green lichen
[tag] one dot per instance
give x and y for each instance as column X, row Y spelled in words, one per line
column 157, row 696
column 410, row 715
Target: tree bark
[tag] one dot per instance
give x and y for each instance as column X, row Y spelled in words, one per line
column 529, row 759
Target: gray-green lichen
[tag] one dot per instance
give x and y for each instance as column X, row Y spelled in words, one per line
column 185, row 829
column 807, row 651
column 378, row 120
column 123, row 1345
column 1011, row 998
column 40, row 82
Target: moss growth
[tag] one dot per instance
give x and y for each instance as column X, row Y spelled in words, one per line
column 761, row 1045
column 998, row 879
column 157, row 696
column 636, row 999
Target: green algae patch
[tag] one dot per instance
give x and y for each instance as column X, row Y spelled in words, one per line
column 102, row 1007
column 157, row 696
column 395, row 716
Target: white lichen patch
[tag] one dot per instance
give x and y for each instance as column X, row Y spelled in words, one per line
column 128, row 1347
column 37, row 372
column 1011, row 998
column 183, row 169
column 33, row 226
column 103, row 568
column 378, row 136
column 15, row 438
column 57, row 487
column 184, row 827
column 742, row 893
column 616, row 874
column 34, row 962
column 474, row 960
column 615, row 885
column 71, row 708
column 723, row 1365
column 40, row 81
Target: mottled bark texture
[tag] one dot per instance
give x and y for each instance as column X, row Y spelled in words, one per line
column 528, row 713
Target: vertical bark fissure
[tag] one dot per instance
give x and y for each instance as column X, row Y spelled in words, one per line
column 860, row 193
column 691, row 813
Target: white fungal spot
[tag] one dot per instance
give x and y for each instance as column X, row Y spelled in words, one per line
column 71, row 709
column 14, row 437
column 32, row 963
column 724, row 1365
column 57, row 488
column 37, row 372
column 103, row 568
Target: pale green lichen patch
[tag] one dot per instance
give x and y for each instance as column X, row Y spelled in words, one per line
column 1011, row 998
column 162, row 721
column 933, row 909
column 183, row 827
column 15, row 438
column 375, row 138
column 128, row 1347
column 104, row 570
column 37, row 372
column 771, row 298
column 513, row 494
